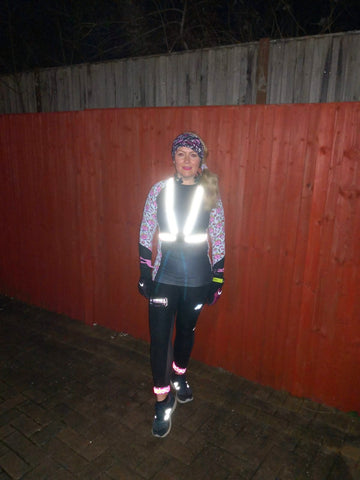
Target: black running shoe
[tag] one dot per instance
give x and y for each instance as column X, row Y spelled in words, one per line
column 162, row 419
column 182, row 388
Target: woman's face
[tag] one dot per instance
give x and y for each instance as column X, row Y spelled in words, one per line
column 187, row 163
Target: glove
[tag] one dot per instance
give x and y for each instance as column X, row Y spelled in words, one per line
column 215, row 287
column 145, row 282
column 145, row 286
column 215, row 290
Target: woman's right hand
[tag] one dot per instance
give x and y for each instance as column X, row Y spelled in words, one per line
column 144, row 286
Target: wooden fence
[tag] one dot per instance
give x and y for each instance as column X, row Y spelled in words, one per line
column 73, row 186
column 301, row 70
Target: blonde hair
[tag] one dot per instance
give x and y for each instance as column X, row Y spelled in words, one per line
column 209, row 180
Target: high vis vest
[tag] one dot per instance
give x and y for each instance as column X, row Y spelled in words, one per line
column 173, row 234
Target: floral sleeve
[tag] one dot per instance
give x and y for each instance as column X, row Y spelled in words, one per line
column 149, row 220
column 217, row 232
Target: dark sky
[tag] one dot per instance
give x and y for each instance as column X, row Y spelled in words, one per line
column 43, row 33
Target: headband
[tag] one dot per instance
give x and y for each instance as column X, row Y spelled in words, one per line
column 189, row 140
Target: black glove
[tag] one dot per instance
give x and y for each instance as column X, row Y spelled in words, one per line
column 215, row 290
column 145, row 286
column 215, row 287
column 145, row 282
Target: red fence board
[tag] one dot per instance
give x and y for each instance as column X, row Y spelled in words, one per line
column 73, row 186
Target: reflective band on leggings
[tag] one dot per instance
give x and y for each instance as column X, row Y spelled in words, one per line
column 161, row 390
column 178, row 370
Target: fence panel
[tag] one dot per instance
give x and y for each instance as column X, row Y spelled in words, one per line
column 73, row 186
column 318, row 69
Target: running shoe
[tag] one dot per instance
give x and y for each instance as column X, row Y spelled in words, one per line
column 162, row 419
column 182, row 388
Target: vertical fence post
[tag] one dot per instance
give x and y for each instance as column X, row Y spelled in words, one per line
column 37, row 83
column 262, row 71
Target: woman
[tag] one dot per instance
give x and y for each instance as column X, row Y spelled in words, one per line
column 188, row 214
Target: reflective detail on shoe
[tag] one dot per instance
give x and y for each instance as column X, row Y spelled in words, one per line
column 167, row 414
column 178, row 370
column 159, row 302
column 182, row 388
column 162, row 418
column 176, row 385
column 198, row 306
column 161, row 390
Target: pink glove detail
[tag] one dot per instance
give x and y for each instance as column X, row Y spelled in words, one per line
column 216, row 296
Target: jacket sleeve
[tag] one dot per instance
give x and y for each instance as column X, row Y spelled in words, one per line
column 217, row 237
column 147, row 231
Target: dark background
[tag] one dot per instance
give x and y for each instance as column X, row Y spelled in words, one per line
column 45, row 33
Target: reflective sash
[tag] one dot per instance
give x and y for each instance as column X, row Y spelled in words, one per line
column 190, row 222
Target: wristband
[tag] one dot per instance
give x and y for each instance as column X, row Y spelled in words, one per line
column 218, row 280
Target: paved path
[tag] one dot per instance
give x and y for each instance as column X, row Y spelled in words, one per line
column 76, row 403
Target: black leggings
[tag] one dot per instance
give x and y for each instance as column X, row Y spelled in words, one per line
column 168, row 302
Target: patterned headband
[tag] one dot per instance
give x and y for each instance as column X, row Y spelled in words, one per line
column 189, row 140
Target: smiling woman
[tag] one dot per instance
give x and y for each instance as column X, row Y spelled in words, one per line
column 187, row 211
column 187, row 163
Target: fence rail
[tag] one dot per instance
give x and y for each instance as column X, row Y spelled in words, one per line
column 315, row 69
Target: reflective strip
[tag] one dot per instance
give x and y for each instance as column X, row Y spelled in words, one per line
column 167, row 237
column 169, row 205
column 178, row 370
column 218, row 280
column 198, row 307
column 161, row 390
column 194, row 210
column 196, row 238
column 191, row 218
column 159, row 302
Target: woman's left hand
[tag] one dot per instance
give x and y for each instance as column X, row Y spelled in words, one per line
column 215, row 291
